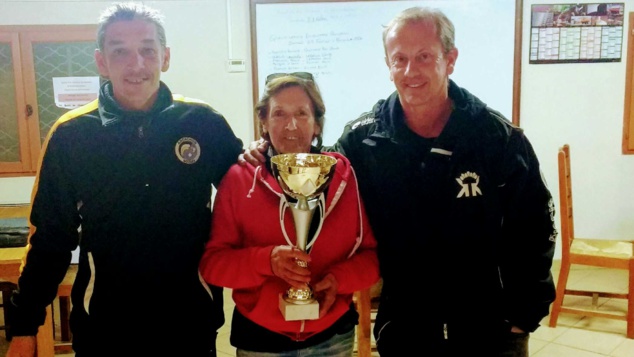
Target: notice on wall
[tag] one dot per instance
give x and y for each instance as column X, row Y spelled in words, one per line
column 571, row 33
column 73, row 92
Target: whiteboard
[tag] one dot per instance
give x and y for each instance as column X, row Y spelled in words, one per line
column 341, row 44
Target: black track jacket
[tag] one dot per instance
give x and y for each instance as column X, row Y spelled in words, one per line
column 138, row 186
column 464, row 223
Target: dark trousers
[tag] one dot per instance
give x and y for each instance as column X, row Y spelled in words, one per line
column 392, row 343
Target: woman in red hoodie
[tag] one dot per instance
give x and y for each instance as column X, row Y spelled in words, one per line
column 250, row 253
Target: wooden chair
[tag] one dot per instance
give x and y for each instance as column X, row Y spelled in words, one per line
column 367, row 303
column 615, row 254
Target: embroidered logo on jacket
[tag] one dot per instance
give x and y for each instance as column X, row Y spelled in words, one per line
column 468, row 182
column 187, row 150
column 362, row 122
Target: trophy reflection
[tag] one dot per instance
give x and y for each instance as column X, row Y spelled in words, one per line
column 303, row 178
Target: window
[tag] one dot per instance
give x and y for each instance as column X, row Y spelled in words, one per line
column 30, row 56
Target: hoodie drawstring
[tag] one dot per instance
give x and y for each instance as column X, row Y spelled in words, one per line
column 255, row 178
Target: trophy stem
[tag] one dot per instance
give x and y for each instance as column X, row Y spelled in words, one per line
column 303, row 213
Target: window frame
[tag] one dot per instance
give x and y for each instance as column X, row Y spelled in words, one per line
column 628, row 109
column 21, row 39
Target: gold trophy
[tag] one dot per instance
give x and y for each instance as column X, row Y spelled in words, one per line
column 303, row 178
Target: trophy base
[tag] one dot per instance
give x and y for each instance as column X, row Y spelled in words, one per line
column 304, row 310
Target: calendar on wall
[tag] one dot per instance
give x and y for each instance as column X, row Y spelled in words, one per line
column 576, row 33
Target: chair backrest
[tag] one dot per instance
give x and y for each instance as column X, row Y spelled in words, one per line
column 565, row 200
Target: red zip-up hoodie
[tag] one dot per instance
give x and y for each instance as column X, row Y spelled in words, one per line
column 246, row 227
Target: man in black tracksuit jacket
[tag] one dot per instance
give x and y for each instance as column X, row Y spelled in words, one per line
column 454, row 193
column 137, row 183
column 464, row 226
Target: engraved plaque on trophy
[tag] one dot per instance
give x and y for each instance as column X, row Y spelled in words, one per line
column 303, row 178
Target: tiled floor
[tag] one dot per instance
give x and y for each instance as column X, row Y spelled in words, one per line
column 574, row 336
column 577, row 336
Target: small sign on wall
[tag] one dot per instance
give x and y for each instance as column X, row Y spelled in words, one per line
column 574, row 33
column 73, row 92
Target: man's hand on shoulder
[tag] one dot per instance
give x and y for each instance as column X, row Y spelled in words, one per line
column 22, row 346
column 254, row 154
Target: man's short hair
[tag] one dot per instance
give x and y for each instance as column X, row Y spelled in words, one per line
column 128, row 11
column 444, row 27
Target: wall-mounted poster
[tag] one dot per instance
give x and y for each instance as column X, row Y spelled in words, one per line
column 574, row 33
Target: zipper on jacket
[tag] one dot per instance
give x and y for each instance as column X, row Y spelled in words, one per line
column 140, row 131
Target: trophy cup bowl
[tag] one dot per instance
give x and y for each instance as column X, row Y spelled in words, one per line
column 303, row 178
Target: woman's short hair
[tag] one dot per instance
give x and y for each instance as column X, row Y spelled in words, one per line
column 279, row 83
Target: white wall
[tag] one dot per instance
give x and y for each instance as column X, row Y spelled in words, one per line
column 16, row 189
column 582, row 104
column 578, row 104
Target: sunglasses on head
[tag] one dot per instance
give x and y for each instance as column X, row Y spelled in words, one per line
column 303, row 75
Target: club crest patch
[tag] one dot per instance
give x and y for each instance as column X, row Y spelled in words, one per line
column 468, row 182
column 187, row 150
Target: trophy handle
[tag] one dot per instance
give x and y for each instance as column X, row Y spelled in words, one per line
column 283, row 207
column 321, row 205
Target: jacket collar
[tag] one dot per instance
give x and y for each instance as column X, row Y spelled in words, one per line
column 111, row 112
column 391, row 119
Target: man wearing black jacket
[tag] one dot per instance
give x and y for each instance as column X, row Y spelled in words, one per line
column 133, row 171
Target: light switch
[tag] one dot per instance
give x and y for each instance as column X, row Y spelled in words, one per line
column 236, row 65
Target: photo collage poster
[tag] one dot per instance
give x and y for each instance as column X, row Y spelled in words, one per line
column 576, row 33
